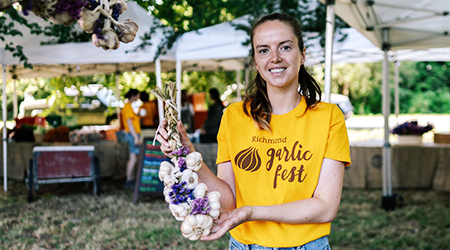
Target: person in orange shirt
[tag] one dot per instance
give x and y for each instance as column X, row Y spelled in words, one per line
column 281, row 151
column 148, row 112
column 132, row 128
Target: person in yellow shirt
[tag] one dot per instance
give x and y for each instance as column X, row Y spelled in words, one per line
column 148, row 112
column 281, row 151
column 132, row 129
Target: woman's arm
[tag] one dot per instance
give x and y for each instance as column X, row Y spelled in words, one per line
column 223, row 182
column 321, row 208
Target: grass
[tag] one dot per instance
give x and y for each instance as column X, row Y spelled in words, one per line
column 69, row 216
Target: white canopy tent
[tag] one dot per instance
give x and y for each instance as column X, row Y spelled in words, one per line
column 77, row 59
column 416, row 25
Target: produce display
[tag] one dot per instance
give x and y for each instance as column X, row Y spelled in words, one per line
column 189, row 200
column 411, row 128
column 97, row 17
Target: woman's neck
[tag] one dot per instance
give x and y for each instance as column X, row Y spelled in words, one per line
column 283, row 103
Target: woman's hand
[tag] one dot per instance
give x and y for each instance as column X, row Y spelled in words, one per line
column 227, row 221
column 136, row 139
column 163, row 137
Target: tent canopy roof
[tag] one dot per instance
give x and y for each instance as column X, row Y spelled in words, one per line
column 420, row 24
column 74, row 59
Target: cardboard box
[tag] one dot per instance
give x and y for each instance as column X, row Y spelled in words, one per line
column 442, row 138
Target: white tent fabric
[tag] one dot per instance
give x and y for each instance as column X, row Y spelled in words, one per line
column 73, row 59
column 215, row 47
column 418, row 24
column 423, row 24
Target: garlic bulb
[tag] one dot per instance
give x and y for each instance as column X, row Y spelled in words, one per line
column 190, row 178
column 213, row 196
column 168, row 180
column 109, row 39
column 62, row 18
column 179, row 211
column 165, row 169
column 196, row 226
column 200, row 190
column 88, row 19
column 124, row 5
column 173, row 144
column 127, row 31
column 214, row 204
column 194, row 161
column 166, row 191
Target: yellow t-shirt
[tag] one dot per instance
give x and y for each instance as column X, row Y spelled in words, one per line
column 282, row 166
column 151, row 111
column 128, row 113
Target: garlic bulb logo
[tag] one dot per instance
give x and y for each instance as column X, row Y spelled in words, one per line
column 248, row 159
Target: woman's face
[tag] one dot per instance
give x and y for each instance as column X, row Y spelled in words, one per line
column 135, row 97
column 277, row 55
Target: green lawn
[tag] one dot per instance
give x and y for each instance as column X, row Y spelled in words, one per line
column 69, row 216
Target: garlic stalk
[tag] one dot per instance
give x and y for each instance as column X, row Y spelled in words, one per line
column 189, row 200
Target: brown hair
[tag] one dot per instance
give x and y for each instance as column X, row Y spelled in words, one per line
column 256, row 92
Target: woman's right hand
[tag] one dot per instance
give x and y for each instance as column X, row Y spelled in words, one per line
column 163, row 137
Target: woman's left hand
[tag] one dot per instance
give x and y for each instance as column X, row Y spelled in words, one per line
column 227, row 221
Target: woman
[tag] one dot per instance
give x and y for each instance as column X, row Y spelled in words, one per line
column 281, row 152
column 148, row 112
column 132, row 128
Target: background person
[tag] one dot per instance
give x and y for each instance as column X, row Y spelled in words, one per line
column 148, row 112
column 211, row 126
column 187, row 112
column 132, row 128
column 281, row 151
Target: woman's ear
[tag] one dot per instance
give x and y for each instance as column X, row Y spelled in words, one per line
column 304, row 55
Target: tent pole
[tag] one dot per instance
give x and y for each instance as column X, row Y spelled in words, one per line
column 397, row 93
column 238, row 84
column 387, row 189
column 5, row 142
column 159, row 84
column 15, row 110
column 178, row 76
column 388, row 200
column 118, row 96
column 329, row 48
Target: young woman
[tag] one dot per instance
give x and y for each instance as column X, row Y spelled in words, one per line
column 281, row 152
column 132, row 128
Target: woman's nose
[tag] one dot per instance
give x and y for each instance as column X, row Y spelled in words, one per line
column 275, row 56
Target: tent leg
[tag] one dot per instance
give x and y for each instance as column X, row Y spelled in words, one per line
column 116, row 75
column 397, row 94
column 5, row 139
column 388, row 200
column 329, row 49
column 238, row 84
column 159, row 84
column 178, row 76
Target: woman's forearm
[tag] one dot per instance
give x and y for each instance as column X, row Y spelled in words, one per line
column 214, row 183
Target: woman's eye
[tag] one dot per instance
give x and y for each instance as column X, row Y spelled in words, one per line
column 263, row 51
column 286, row 47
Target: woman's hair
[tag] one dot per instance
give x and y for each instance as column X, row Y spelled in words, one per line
column 215, row 96
column 256, row 92
column 131, row 92
column 145, row 97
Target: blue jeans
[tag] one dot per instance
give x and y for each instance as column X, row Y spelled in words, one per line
column 131, row 146
column 319, row 244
